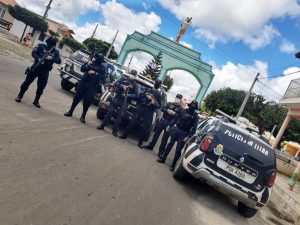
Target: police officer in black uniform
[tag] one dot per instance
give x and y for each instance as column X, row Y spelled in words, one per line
column 94, row 75
column 148, row 101
column 124, row 86
column 186, row 125
column 170, row 110
column 42, row 71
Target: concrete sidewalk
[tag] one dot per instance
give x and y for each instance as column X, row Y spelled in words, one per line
column 284, row 202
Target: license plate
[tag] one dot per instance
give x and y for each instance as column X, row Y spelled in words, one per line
column 235, row 171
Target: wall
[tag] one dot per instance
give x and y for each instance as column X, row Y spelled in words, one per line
column 18, row 28
column 7, row 16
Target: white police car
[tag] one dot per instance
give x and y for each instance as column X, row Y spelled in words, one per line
column 231, row 160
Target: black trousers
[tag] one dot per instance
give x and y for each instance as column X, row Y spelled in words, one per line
column 42, row 75
column 115, row 106
column 85, row 92
column 144, row 115
column 161, row 127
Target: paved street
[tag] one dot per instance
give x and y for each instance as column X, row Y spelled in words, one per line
column 56, row 171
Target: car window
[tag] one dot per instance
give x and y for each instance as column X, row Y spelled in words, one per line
column 210, row 125
column 80, row 57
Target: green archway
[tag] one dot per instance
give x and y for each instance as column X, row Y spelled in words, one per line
column 174, row 56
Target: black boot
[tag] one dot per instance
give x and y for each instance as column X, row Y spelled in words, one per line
column 123, row 136
column 36, row 104
column 148, row 146
column 100, row 127
column 36, row 101
column 160, row 160
column 115, row 134
column 82, row 119
column 68, row 114
column 140, row 144
column 171, row 168
column 18, row 99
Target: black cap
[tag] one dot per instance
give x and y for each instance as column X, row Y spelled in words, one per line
column 99, row 58
column 193, row 104
column 133, row 72
column 51, row 41
column 179, row 96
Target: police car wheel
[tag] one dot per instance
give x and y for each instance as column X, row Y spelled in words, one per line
column 66, row 85
column 246, row 211
column 179, row 171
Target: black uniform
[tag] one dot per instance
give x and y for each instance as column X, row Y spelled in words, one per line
column 145, row 111
column 87, row 86
column 186, row 125
column 163, row 124
column 42, row 71
column 117, row 104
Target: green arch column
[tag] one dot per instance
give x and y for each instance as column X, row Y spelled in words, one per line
column 174, row 56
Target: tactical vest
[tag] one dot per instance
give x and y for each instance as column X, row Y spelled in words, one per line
column 186, row 121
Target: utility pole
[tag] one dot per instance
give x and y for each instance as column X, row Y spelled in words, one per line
column 48, row 7
column 246, row 98
column 108, row 52
column 93, row 35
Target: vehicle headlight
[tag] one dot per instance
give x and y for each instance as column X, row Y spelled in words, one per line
column 68, row 65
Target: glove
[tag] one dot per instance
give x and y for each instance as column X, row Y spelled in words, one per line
column 49, row 57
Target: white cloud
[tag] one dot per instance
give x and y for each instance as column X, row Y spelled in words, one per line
column 247, row 21
column 287, row 47
column 241, row 77
column 186, row 44
column 62, row 11
column 118, row 17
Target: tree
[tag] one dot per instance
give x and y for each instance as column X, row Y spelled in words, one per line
column 228, row 100
column 52, row 33
column 168, row 81
column 73, row 44
column 153, row 69
column 29, row 18
column 99, row 46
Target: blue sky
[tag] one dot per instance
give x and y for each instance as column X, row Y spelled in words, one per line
column 239, row 38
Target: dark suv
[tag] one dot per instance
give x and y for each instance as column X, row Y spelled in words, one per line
column 233, row 161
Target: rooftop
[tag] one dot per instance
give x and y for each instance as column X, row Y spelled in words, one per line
column 9, row 2
column 291, row 98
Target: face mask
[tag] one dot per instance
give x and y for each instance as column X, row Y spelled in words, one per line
column 177, row 100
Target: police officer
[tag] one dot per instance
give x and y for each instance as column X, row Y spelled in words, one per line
column 42, row 71
column 124, row 86
column 148, row 102
column 185, row 128
column 94, row 75
column 170, row 110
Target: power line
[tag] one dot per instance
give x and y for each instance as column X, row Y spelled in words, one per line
column 281, row 75
column 270, row 88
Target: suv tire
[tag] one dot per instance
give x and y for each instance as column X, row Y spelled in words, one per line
column 66, row 85
column 245, row 211
column 179, row 171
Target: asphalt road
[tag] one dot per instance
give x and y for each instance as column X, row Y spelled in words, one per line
column 56, row 171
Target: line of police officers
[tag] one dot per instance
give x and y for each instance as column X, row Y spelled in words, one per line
column 177, row 124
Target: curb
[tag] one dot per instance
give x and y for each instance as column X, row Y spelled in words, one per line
column 284, row 204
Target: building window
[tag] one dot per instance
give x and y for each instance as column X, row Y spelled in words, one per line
column 61, row 45
column 2, row 12
column 42, row 36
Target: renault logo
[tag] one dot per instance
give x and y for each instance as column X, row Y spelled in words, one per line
column 242, row 159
